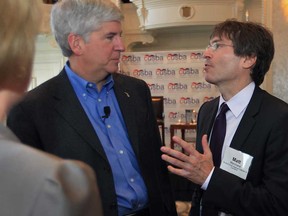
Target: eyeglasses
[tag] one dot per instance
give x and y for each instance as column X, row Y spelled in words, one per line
column 214, row 46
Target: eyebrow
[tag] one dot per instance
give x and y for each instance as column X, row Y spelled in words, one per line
column 215, row 41
column 113, row 33
column 110, row 33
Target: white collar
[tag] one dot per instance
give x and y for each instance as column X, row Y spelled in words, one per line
column 239, row 102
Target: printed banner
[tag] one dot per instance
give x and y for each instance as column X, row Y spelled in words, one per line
column 175, row 75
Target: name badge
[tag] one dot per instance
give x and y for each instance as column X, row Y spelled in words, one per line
column 236, row 162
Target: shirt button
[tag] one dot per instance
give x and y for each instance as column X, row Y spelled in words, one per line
column 90, row 84
column 99, row 100
column 84, row 94
column 121, row 152
column 108, row 126
column 132, row 180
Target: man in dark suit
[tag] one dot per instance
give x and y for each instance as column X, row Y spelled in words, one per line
column 92, row 113
column 253, row 174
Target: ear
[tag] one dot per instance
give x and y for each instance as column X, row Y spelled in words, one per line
column 249, row 61
column 76, row 43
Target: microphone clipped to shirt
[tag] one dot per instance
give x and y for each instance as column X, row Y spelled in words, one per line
column 107, row 112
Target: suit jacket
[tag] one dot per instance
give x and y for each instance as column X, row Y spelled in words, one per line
column 51, row 118
column 263, row 134
column 33, row 183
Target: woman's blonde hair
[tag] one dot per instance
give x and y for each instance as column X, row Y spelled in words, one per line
column 19, row 26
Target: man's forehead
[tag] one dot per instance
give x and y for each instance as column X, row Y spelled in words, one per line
column 110, row 27
column 218, row 38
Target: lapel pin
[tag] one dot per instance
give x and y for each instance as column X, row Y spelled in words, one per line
column 127, row 94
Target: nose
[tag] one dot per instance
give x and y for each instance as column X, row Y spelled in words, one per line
column 119, row 45
column 207, row 53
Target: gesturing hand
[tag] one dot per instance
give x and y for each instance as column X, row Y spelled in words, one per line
column 193, row 165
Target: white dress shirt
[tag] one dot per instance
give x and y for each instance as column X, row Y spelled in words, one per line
column 237, row 106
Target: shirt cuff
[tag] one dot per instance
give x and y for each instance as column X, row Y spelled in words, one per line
column 206, row 183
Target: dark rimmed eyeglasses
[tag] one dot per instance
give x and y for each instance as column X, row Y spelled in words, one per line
column 214, row 46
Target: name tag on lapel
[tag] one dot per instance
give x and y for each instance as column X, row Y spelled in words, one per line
column 236, row 162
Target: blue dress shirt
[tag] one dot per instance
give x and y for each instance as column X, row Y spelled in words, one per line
column 129, row 185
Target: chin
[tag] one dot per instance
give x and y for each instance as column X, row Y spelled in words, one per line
column 112, row 69
column 209, row 80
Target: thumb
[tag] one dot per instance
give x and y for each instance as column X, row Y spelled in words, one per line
column 205, row 144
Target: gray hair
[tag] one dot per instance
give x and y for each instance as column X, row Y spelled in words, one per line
column 80, row 17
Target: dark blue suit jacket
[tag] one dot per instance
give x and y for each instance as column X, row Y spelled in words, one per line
column 263, row 134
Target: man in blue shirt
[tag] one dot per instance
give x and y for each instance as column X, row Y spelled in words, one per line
column 92, row 113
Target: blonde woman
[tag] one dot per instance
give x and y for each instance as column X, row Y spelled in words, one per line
column 33, row 182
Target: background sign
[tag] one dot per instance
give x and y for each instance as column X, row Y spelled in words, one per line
column 175, row 75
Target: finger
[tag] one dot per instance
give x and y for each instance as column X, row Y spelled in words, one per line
column 173, row 153
column 205, row 145
column 168, row 150
column 173, row 161
column 186, row 146
column 177, row 171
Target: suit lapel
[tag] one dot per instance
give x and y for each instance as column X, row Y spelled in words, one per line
column 126, row 100
column 69, row 107
column 245, row 126
column 206, row 120
column 210, row 117
column 248, row 120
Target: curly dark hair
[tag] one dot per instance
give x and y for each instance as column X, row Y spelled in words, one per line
column 249, row 39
